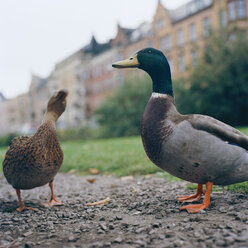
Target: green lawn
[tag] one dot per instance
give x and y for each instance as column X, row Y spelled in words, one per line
column 118, row 156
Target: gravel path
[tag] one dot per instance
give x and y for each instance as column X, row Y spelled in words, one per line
column 142, row 212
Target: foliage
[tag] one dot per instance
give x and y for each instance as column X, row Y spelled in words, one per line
column 81, row 133
column 121, row 113
column 5, row 140
column 218, row 86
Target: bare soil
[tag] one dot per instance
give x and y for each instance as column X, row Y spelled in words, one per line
column 142, row 212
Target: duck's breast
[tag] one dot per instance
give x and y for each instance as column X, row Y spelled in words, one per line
column 153, row 129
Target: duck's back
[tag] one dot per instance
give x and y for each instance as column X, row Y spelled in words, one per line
column 33, row 161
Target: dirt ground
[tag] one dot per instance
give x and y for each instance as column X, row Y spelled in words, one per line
column 142, row 212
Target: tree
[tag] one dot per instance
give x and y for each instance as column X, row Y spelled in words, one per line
column 121, row 113
column 218, row 85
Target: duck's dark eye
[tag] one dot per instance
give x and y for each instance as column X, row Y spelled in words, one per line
column 131, row 58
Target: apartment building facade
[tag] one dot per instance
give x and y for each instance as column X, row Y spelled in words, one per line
column 88, row 75
column 181, row 33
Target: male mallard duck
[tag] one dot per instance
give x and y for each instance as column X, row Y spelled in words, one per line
column 194, row 147
column 33, row 161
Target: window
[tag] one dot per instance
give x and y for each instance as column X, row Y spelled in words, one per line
column 180, row 40
column 231, row 11
column 194, row 57
column 171, row 64
column 165, row 43
column 206, row 26
column 162, row 42
column 223, row 18
column 150, row 43
column 86, row 75
column 181, row 64
column 236, row 9
column 241, row 8
column 232, row 36
column 168, row 42
column 97, row 71
column 159, row 24
column 192, row 31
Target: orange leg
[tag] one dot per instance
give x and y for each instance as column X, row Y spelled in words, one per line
column 194, row 208
column 53, row 201
column 21, row 205
column 193, row 198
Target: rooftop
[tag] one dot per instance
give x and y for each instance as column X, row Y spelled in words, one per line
column 189, row 9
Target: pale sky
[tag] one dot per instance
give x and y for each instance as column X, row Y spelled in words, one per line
column 37, row 34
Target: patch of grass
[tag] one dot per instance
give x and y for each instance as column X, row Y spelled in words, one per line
column 117, row 156
column 238, row 187
column 2, row 154
column 243, row 130
column 215, row 188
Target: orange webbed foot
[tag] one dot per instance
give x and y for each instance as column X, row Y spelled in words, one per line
column 190, row 198
column 52, row 202
column 22, row 208
column 193, row 198
column 194, row 208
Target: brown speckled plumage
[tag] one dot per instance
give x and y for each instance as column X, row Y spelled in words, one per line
column 33, row 161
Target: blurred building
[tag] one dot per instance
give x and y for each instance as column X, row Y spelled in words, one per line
column 89, row 77
column 14, row 114
column 180, row 33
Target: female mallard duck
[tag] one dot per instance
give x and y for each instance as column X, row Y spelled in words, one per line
column 33, row 161
column 195, row 147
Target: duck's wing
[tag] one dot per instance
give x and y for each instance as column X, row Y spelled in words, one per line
column 219, row 129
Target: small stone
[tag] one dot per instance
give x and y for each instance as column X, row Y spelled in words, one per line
column 118, row 217
column 118, row 240
column 140, row 242
column 229, row 240
column 152, row 232
column 29, row 245
column 27, row 234
column 139, row 230
column 159, row 216
column 220, row 242
column 241, row 238
column 72, row 239
column 111, row 227
column 178, row 243
column 222, row 210
column 103, row 227
column 155, row 225
column 169, row 234
column 197, row 234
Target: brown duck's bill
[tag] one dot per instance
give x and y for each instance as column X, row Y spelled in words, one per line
column 127, row 63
